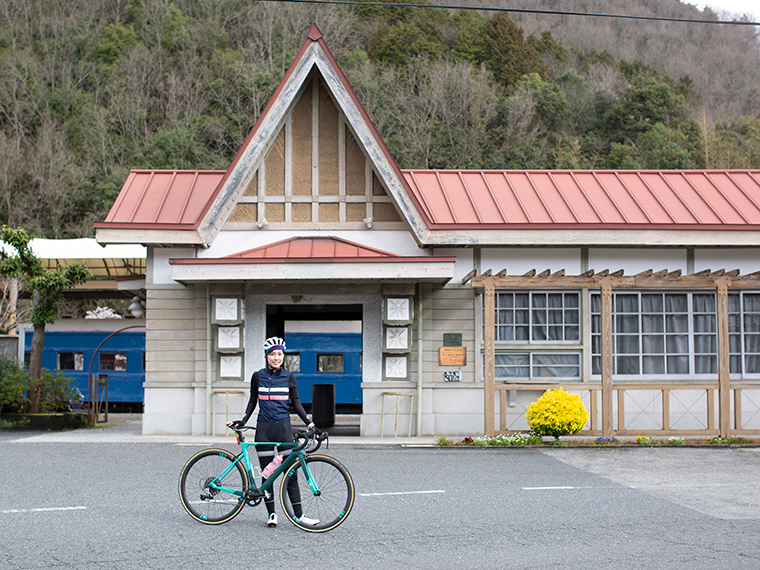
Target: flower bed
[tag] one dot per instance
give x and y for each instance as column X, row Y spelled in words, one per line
column 534, row 439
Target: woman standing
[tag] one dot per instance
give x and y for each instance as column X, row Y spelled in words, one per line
column 273, row 388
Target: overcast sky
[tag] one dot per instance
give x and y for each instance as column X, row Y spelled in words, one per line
column 736, row 6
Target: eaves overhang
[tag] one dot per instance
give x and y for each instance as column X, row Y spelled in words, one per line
column 346, row 270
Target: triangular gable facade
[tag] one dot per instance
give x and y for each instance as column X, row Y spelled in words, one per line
column 312, row 161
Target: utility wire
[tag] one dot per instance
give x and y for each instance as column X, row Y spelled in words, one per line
column 525, row 11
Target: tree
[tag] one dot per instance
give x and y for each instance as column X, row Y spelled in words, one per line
column 46, row 288
column 509, row 55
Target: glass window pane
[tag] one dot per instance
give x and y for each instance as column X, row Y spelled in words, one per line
column 651, row 303
column 752, row 302
column 676, row 303
column 572, row 333
column 292, row 362
column 654, row 364
column 627, row 324
column 627, row 365
column 752, row 364
column 116, row 361
column 705, row 364
column 704, row 303
column 653, row 344
column 627, row 344
column 677, row 344
column 751, row 323
column 652, row 323
column 704, row 323
column 70, row 361
column 521, row 333
column 572, row 300
column 329, row 363
column 676, row 323
column 626, row 303
column 678, row 364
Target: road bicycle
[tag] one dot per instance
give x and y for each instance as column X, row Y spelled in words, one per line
column 215, row 484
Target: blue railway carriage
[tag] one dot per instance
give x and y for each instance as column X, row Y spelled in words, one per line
column 70, row 346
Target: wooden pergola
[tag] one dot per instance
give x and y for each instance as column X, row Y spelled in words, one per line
column 719, row 281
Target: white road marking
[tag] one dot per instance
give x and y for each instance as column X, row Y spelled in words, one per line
column 549, row 488
column 401, row 493
column 42, row 510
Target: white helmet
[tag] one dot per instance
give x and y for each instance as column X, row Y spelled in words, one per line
column 274, row 343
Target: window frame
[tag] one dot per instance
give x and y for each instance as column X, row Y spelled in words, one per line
column 532, row 366
column 691, row 334
column 75, row 354
column 532, row 324
column 115, row 359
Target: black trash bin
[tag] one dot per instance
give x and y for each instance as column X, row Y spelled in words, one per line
column 323, row 405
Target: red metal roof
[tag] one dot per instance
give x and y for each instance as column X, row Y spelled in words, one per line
column 163, row 199
column 512, row 199
column 321, row 249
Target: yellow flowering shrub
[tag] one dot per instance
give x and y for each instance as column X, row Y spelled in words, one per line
column 557, row 413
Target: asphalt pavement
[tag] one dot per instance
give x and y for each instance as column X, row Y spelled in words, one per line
column 106, row 498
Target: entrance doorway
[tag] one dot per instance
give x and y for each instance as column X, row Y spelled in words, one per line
column 324, row 346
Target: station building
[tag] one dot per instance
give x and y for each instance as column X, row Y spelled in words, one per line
column 450, row 298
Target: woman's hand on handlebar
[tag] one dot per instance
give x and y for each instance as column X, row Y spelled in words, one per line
column 236, row 424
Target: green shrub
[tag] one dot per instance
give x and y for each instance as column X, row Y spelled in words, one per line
column 57, row 393
column 557, row 413
column 14, row 382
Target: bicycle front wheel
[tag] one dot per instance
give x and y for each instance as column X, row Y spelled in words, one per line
column 205, row 503
column 334, row 499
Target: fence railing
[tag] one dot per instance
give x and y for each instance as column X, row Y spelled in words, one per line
column 714, row 419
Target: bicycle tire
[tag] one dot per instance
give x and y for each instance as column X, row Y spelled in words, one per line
column 335, row 501
column 207, row 505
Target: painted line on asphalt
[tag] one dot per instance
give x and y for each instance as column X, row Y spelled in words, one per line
column 549, row 488
column 401, row 493
column 42, row 510
column 567, row 488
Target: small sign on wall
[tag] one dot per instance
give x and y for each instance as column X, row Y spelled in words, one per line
column 452, row 376
column 452, row 356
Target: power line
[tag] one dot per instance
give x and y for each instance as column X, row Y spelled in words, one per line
column 525, row 11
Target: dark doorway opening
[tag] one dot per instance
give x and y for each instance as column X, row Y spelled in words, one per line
column 279, row 315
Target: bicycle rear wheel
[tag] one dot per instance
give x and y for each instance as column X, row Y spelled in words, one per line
column 201, row 501
column 333, row 503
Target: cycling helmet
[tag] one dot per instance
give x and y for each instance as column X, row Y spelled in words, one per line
column 274, row 343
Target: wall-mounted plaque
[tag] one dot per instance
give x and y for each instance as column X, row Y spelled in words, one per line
column 452, row 339
column 452, row 356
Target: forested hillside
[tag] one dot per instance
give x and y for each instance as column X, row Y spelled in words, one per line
column 91, row 89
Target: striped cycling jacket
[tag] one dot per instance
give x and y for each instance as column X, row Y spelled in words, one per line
column 274, row 391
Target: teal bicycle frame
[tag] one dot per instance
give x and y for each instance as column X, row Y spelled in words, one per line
column 254, row 491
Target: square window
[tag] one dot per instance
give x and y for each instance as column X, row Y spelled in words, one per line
column 292, row 362
column 70, row 361
column 330, row 363
column 113, row 361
